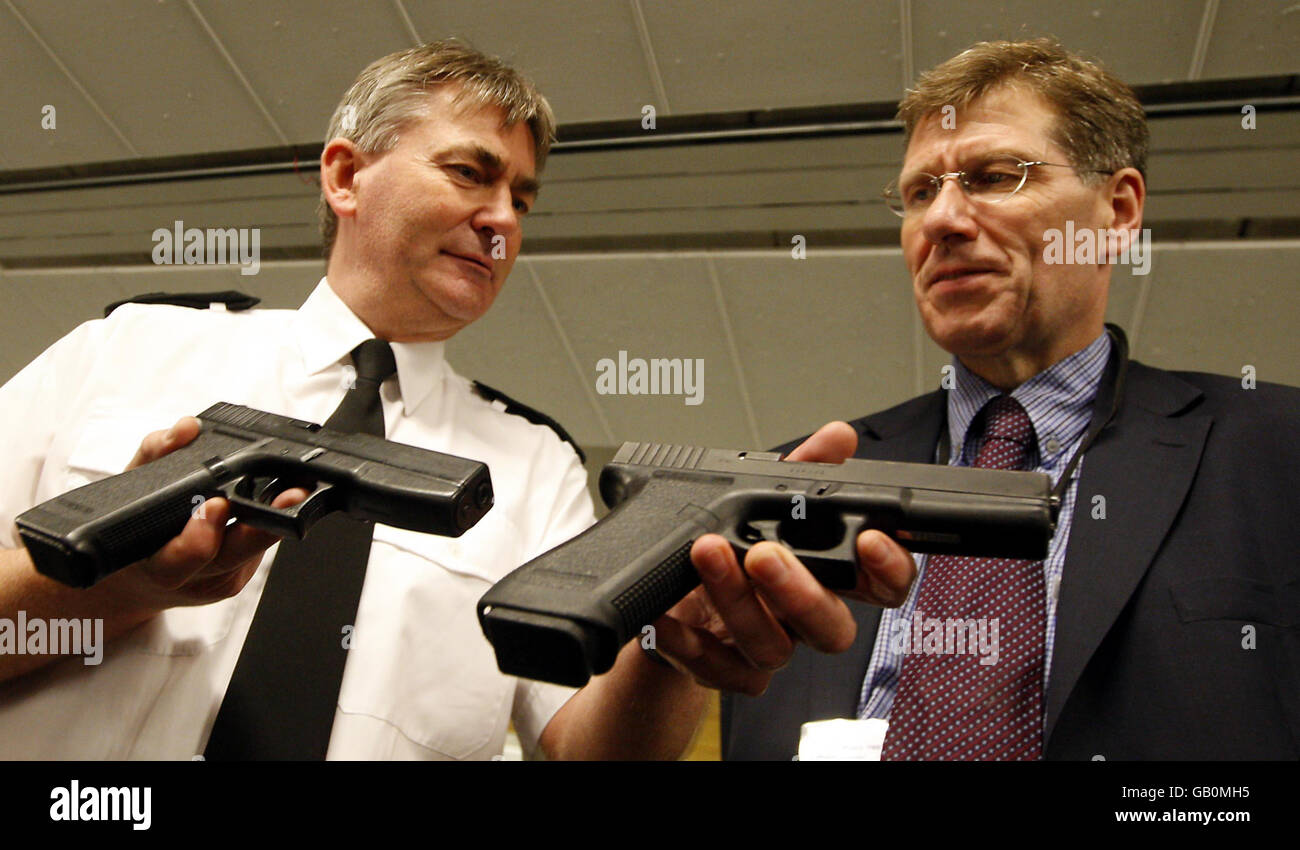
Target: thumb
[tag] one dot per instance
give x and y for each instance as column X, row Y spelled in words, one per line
column 834, row 442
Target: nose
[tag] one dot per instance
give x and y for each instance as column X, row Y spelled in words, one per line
column 951, row 217
column 497, row 213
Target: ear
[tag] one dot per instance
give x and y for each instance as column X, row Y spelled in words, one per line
column 1127, row 196
column 339, row 164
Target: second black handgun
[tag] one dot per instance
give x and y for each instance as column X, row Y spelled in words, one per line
column 563, row 616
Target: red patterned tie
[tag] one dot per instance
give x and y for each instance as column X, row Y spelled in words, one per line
column 950, row 706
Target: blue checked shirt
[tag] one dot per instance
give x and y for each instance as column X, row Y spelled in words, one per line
column 1059, row 403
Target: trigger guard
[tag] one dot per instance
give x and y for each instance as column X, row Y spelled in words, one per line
column 847, row 549
column 318, row 503
column 837, row 567
column 293, row 521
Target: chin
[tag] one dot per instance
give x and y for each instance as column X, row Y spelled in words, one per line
column 462, row 299
column 970, row 335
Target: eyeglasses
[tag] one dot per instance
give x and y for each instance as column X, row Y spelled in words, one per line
column 991, row 182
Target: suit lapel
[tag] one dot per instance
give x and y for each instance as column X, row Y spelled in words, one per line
column 1142, row 465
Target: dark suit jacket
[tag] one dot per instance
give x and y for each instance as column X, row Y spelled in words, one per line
column 1153, row 656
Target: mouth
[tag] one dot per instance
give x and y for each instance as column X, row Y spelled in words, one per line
column 958, row 275
column 476, row 261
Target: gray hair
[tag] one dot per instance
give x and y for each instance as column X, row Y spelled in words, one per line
column 389, row 95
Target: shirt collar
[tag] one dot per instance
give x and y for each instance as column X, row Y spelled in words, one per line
column 1058, row 401
column 327, row 330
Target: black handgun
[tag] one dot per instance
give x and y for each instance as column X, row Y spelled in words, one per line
column 563, row 617
column 249, row 456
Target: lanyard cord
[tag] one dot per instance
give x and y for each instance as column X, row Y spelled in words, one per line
column 1109, row 396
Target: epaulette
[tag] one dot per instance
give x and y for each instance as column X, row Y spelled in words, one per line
column 198, row 300
column 534, row 416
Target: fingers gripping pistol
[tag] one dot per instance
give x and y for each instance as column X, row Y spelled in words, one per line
column 249, row 457
column 563, row 616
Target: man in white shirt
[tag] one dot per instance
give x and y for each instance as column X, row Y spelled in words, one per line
column 431, row 165
column 421, row 682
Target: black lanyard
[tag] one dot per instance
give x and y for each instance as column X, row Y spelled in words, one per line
column 1109, row 396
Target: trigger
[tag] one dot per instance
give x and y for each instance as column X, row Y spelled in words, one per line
column 292, row 521
column 315, row 506
column 266, row 489
column 758, row 530
column 745, row 534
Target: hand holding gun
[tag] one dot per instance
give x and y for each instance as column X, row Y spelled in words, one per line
column 564, row 616
column 249, row 457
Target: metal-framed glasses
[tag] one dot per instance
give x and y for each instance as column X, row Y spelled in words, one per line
column 990, row 182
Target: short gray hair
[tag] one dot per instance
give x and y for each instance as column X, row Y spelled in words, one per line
column 388, row 95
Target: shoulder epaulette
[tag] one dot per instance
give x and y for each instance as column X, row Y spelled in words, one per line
column 198, row 300
column 534, row 416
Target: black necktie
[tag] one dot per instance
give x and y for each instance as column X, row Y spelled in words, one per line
column 282, row 697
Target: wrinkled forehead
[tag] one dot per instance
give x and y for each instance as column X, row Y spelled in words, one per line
column 471, row 104
column 1008, row 119
column 442, row 118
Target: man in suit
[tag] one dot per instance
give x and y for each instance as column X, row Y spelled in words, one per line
column 1163, row 623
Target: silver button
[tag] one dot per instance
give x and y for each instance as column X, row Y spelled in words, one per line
column 1052, row 445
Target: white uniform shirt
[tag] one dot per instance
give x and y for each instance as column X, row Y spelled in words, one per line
column 421, row 680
